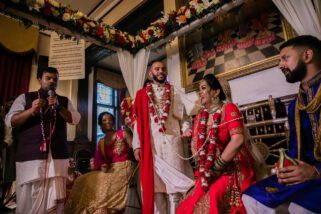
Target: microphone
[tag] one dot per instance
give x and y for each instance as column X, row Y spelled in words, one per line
column 51, row 93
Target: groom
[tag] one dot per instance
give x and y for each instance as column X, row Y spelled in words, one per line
column 157, row 143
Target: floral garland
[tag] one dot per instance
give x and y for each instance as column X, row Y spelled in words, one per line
column 62, row 14
column 162, row 116
column 208, row 152
column 173, row 21
column 43, row 146
column 76, row 21
column 126, row 107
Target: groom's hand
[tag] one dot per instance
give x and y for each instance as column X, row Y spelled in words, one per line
column 137, row 154
column 187, row 133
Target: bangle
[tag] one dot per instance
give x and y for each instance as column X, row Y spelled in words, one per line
column 220, row 164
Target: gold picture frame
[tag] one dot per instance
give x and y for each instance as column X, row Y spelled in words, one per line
column 237, row 72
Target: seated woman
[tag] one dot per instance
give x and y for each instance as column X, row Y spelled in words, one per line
column 105, row 189
column 225, row 167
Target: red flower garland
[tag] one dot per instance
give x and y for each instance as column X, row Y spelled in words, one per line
column 163, row 115
column 43, row 146
column 126, row 107
column 207, row 152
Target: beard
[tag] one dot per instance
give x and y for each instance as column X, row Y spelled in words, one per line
column 297, row 74
column 161, row 81
column 51, row 87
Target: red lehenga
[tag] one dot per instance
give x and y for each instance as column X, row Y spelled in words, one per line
column 224, row 193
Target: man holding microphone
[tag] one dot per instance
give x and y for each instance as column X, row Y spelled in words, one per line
column 42, row 154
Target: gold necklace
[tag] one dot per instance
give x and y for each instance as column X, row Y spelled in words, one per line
column 213, row 108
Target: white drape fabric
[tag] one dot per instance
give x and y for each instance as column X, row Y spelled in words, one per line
column 133, row 69
column 173, row 178
column 302, row 15
column 40, row 197
column 317, row 6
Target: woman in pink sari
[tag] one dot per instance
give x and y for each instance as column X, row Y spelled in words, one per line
column 105, row 189
column 224, row 169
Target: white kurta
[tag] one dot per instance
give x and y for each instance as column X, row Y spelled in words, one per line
column 168, row 147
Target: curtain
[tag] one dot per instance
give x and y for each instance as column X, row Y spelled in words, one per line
column 15, row 70
column 302, row 15
column 317, row 5
column 133, row 69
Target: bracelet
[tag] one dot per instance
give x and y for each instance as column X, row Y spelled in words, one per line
column 220, row 164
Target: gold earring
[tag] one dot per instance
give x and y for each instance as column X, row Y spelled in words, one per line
column 216, row 100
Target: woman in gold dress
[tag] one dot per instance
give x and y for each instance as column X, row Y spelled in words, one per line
column 105, row 189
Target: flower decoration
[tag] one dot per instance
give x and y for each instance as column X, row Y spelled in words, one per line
column 208, row 152
column 177, row 19
column 62, row 14
column 159, row 115
column 77, row 21
column 126, row 107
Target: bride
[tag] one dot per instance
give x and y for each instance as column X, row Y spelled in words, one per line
column 224, row 169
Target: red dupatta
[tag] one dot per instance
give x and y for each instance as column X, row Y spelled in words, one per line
column 141, row 114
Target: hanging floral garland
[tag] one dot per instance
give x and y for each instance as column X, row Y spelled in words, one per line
column 126, row 107
column 159, row 116
column 77, row 21
column 173, row 21
column 208, row 153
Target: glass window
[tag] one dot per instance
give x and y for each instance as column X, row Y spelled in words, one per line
column 107, row 100
column 104, row 94
column 115, row 98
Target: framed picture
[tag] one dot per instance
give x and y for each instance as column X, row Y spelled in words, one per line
column 234, row 45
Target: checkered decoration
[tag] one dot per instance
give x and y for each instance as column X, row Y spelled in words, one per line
column 234, row 57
